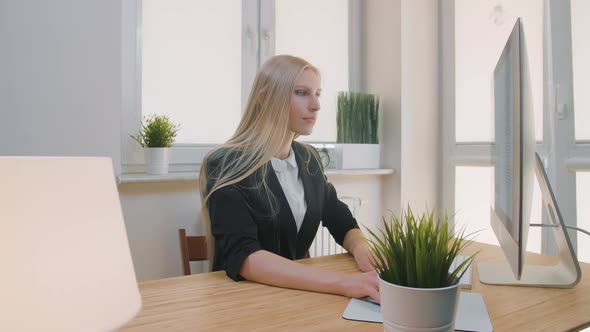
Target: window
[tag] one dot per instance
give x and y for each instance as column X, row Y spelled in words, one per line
column 196, row 60
column 473, row 205
column 310, row 41
column 583, row 192
column 480, row 29
column 191, row 58
column 581, row 67
column 580, row 156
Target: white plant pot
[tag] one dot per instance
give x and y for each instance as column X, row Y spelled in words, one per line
column 418, row 309
column 157, row 160
column 358, row 156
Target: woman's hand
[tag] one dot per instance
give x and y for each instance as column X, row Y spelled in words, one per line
column 363, row 258
column 360, row 285
column 355, row 243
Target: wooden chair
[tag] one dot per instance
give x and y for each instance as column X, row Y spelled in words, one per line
column 192, row 248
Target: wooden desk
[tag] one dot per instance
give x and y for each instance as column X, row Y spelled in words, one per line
column 211, row 301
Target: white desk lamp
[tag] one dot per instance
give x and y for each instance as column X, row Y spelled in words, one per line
column 64, row 257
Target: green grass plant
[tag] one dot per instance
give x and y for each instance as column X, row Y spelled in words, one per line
column 417, row 250
column 357, row 118
column 157, row 131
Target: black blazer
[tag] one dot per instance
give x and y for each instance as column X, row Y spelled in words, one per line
column 242, row 221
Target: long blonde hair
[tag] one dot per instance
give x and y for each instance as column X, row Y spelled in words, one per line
column 260, row 134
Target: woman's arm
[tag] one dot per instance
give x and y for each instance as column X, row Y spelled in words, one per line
column 267, row 268
column 354, row 243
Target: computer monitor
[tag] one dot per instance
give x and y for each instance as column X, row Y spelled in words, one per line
column 516, row 163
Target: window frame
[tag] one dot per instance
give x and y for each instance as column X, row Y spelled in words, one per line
column 258, row 18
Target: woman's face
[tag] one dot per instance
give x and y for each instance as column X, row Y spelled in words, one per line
column 305, row 103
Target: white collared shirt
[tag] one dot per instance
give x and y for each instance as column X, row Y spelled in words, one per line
column 288, row 175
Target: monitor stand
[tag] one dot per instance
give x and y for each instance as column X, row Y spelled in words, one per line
column 565, row 273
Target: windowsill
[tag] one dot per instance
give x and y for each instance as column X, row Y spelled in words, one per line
column 352, row 172
column 193, row 176
column 146, row 178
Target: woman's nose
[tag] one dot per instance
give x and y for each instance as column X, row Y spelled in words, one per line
column 315, row 103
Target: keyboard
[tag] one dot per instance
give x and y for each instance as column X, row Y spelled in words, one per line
column 465, row 282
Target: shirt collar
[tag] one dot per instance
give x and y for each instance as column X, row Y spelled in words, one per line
column 281, row 165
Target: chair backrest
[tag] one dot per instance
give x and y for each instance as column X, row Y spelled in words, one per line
column 192, row 248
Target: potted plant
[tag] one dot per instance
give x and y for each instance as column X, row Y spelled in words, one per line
column 156, row 135
column 357, row 131
column 413, row 256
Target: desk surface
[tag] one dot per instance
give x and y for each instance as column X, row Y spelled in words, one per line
column 211, row 301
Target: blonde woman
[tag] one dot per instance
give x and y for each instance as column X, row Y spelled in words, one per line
column 264, row 194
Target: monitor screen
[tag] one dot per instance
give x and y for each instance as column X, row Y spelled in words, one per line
column 506, row 117
column 514, row 149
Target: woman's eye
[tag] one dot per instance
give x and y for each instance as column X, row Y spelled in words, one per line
column 301, row 92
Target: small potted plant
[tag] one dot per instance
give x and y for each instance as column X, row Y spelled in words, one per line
column 357, row 131
column 156, row 135
column 413, row 257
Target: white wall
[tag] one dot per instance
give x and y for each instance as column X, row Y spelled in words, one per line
column 60, row 78
column 153, row 214
column 420, row 105
column 382, row 56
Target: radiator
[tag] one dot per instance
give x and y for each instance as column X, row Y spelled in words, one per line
column 324, row 244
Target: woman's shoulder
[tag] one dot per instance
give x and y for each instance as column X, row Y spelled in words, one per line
column 309, row 155
column 219, row 159
column 223, row 161
column 222, row 156
column 303, row 149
